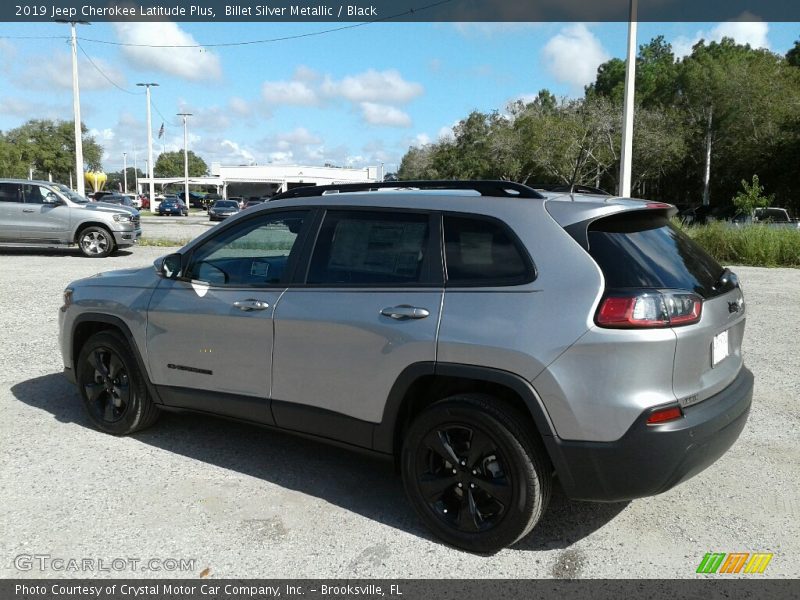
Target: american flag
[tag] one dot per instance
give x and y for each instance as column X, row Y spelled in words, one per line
column 161, row 131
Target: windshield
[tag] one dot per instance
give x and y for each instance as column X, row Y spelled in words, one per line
column 226, row 204
column 77, row 198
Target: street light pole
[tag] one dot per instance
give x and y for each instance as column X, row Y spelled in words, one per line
column 185, row 159
column 626, row 158
column 150, row 167
column 125, row 170
column 76, row 105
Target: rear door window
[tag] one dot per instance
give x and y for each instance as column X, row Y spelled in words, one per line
column 10, row 192
column 636, row 250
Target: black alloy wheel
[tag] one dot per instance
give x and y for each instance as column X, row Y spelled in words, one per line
column 461, row 472
column 109, row 392
column 476, row 472
column 112, row 386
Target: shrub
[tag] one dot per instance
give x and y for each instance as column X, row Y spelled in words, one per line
column 755, row 245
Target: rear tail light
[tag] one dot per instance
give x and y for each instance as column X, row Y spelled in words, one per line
column 663, row 415
column 649, row 309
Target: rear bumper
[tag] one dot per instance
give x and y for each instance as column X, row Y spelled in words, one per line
column 649, row 460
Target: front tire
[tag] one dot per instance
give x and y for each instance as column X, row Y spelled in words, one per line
column 112, row 387
column 474, row 474
column 96, row 242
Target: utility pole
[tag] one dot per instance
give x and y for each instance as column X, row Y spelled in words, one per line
column 150, row 167
column 185, row 159
column 76, row 106
column 626, row 157
column 125, row 170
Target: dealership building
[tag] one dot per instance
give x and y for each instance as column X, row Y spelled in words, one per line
column 267, row 180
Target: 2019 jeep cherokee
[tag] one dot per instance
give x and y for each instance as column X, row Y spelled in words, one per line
column 486, row 335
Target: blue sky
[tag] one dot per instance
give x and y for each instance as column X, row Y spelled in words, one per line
column 355, row 97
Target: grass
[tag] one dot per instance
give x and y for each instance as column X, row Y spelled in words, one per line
column 754, row 245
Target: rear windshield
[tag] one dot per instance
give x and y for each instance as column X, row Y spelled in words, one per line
column 644, row 251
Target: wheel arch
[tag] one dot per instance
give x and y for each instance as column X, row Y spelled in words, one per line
column 88, row 324
column 422, row 384
column 83, row 225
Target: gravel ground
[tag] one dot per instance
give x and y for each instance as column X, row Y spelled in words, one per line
column 244, row 502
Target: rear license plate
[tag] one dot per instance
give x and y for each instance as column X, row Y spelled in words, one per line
column 719, row 349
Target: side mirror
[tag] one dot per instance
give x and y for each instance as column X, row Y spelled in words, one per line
column 169, row 266
column 51, row 198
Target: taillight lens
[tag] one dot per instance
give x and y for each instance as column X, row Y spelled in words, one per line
column 649, row 309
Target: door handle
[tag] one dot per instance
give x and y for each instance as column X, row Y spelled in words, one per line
column 28, row 210
column 251, row 304
column 404, row 311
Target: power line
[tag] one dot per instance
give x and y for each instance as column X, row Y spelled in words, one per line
column 410, row 11
column 34, row 37
column 163, row 118
column 107, row 78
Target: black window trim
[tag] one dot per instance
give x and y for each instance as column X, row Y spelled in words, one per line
column 293, row 261
column 432, row 266
column 531, row 272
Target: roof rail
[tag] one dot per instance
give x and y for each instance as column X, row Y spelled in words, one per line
column 569, row 189
column 508, row 189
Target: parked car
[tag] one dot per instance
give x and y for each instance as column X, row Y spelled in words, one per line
column 254, row 202
column 51, row 214
column 195, row 199
column 486, row 342
column 172, row 206
column 222, row 209
column 121, row 199
column 97, row 196
column 773, row 217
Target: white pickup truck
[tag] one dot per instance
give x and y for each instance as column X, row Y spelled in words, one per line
column 772, row 217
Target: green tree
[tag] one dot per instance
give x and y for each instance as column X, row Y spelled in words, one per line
column 49, row 147
column 170, row 164
column 116, row 181
column 751, row 197
column 793, row 55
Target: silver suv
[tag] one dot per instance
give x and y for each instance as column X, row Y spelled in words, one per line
column 50, row 214
column 487, row 336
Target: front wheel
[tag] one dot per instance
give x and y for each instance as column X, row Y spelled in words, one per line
column 112, row 387
column 96, row 242
column 474, row 474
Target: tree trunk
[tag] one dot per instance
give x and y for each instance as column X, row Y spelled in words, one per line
column 707, row 175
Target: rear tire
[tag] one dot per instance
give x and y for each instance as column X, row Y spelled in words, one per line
column 112, row 387
column 96, row 242
column 473, row 472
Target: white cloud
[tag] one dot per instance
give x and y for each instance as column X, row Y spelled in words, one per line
column 291, row 93
column 43, row 73
column 239, row 106
column 421, row 139
column 374, row 86
column 743, row 31
column 8, row 52
column 473, row 29
column 384, row 115
column 240, row 155
column 573, row 55
column 297, row 137
column 193, row 64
